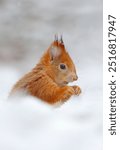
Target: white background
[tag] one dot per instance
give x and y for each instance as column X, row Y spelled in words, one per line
column 110, row 142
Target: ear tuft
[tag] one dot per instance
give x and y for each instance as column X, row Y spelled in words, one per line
column 56, row 38
column 61, row 40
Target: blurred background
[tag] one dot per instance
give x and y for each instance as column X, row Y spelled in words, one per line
column 27, row 27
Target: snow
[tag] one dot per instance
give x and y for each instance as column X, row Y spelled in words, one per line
column 27, row 123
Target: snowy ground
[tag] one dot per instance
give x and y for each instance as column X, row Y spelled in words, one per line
column 26, row 29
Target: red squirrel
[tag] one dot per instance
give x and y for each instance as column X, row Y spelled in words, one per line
column 49, row 78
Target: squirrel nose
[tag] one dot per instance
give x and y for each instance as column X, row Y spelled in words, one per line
column 75, row 78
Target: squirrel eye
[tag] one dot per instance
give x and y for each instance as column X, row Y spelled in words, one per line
column 62, row 66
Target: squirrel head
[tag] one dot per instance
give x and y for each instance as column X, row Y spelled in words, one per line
column 58, row 63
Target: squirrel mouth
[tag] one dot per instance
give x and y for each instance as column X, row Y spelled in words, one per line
column 65, row 82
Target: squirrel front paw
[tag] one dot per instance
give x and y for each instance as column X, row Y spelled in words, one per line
column 69, row 91
column 77, row 90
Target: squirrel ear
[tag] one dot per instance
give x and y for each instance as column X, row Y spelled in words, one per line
column 55, row 52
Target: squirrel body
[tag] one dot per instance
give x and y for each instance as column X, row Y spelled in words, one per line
column 49, row 78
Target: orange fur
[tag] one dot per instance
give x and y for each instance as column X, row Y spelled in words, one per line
column 47, row 80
